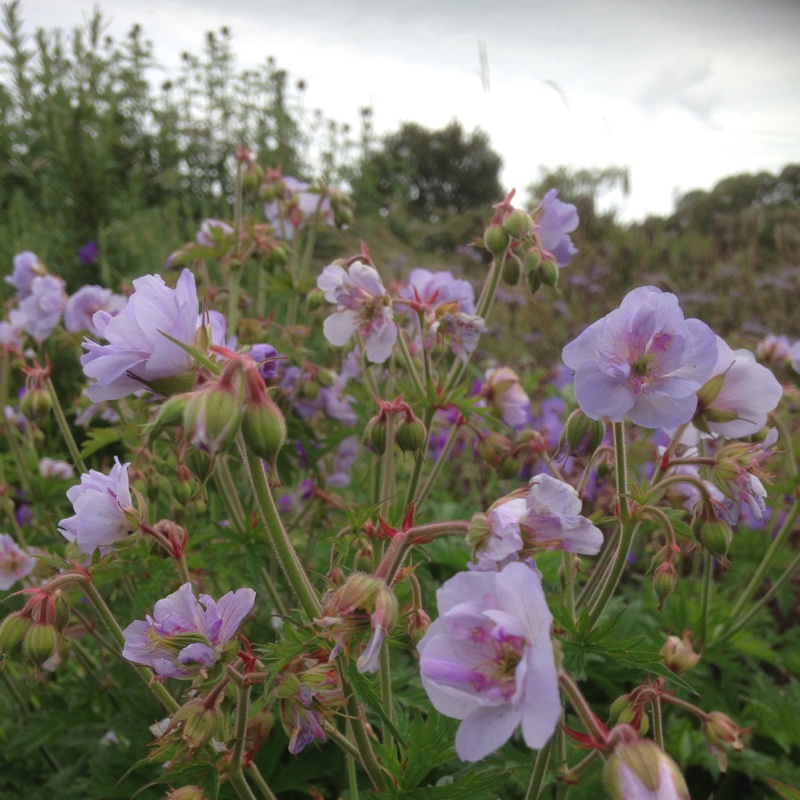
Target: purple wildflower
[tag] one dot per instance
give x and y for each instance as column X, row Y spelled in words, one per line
column 27, row 266
column 138, row 352
column 556, row 220
column 87, row 254
column 507, row 397
column 643, row 361
column 488, row 660
column 83, row 305
column 211, row 231
column 52, row 468
column 738, row 396
column 15, row 563
column 268, row 360
column 774, row 349
column 43, row 306
column 104, row 512
column 363, row 305
column 185, row 636
column 11, row 330
column 298, row 206
column 640, row 770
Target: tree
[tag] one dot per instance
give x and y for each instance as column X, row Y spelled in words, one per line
column 430, row 172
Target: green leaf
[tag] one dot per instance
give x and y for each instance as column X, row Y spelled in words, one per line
column 431, row 745
column 371, row 700
column 783, row 789
column 473, row 786
column 99, row 438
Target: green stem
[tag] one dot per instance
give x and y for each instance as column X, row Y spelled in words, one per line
column 386, row 692
column 387, row 468
column 569, row 583
column 582, row 708
column 600, row 569
column 63, row 426
column 242, row 711
column 279, row 539
column 438, row 465
column 539, row 771
column 627, row 530
column 705, row 599
column 762, row 568
column 104, row 612
column 227, row 488
column 258, row 780
column 234, row 285
column 411, row 489
column 411, row 367
column 658, row 723
column 237, row 780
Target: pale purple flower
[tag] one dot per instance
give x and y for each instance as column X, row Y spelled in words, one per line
column 346, row 455
column 748, row 393
column 27, row 266
column 186, row 636
column 11, row 330
column 641, row 770
column 297, row 208
column 774, row 349
column 794, row 356
column 206, row 235
column 553, row 518
column 100, row 503
column 82, row 306
column 506, row 395
column 643, row 361
column 488, row 660
column 138, row 352
column 447, row 306
column 554, row 223
column 332, row 400
column 363, row 305
column 15, row 563
column 53, row 468
column 268, row 359
column 43, row 306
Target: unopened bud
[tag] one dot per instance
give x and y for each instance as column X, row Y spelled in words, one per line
column 665, row 579
column 264, row 428
column 518, row 224
column 12, row 632
column 582, row 434
column 375, row 435
column 496, row 240
column 533, row 258
column 418, row 623
column 40, row 642
column 411, row 435
column 678, row 655
column 326, row 378
column 314, row 299
column 642, row 769
column 533, row 280
column 715, row 536
column 512, row 270
column 199, row 724
column 721, row 731
column 548, row 273
column 36, row 404
column 212, row 418
column 187, row 793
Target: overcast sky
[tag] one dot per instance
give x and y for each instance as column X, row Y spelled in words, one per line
column 684, row 92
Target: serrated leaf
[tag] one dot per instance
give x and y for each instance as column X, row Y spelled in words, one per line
column 431, row 745
column 783, row 789
column 367, row 694
column 99, row 438
column 481, row 786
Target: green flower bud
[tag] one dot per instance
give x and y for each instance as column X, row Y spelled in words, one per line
column 665, row 579
column 199, row 724
column 36, row 404
column 678, row 654
column 512, row 270
column 264, row 428
column 325, row 378
column 533, row 280
column 715, row 536
column 518, row 224
column 314, row 299
column 309, row 389
column 583, row 435
column 12, row 632
column 641, row 769
column 411, row 435
column 187, row 793
column 509, row 467
column 212, row 418
column 40, row 642
column 496, row 240
column 375, row 435
column 548, row 273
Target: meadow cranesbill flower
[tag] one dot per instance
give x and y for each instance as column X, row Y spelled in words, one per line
column 774, row 349
column 737, row 398
column 296, row 208
column 186, row 636
column 104, row 513
column 138, row 352
column 643, row 361
column 11, row 330
column 15, row 563
column 53, row 468
column 27, row 266
column 488, row 660
column 85, row 303
column 208, row 228
column 555, row 220
column 505, row 394
column 363, row 305
column 44, row 305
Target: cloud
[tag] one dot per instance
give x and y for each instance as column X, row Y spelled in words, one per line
column 687, row 87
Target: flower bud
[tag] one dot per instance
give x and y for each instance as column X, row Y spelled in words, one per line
column 418, row 622
column 199, row 464
column 479, row 531
column 721, row 730
column 582, row 434
column 40, row 642
column 678, row 655
column 187, row 793
column 518, row 224
column 309, row 389
column 212, row 418
column 494, row 447
column 534, row 282
column 665, row 579
column 508, row 467
column 716, row 537
column 512, row 270
column 496, row 240
column 62, row 611
column 375, row 435
column 548, row 273
column 264, row 428
column 410, row 435
column 641, row 769
column 12, row 632
column 533, row 258
column 199, row 724
column 326, row 378
column 36, row 404
column 314, row 299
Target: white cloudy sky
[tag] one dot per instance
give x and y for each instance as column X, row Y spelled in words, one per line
column 683, row 91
